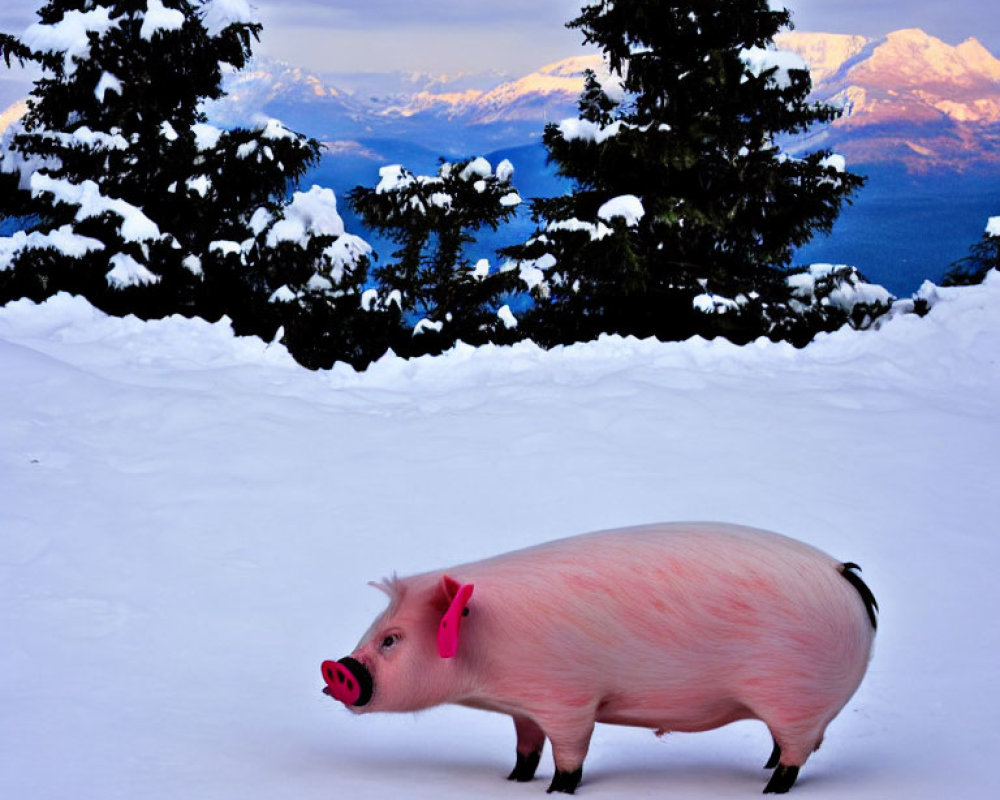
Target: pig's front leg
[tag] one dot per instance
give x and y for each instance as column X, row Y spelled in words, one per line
column 530, row 741
column 570, row 742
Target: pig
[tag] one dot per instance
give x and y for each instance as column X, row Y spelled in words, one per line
column 672, row 627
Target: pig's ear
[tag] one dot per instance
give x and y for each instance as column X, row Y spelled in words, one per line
column 456, row 595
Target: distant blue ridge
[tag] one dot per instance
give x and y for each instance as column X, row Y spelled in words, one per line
column 901, row 230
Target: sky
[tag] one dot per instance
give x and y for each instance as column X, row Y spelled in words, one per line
column 518, row 36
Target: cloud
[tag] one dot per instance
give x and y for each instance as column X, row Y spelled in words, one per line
column 424, row 35
column 953, row 22
column 16, row 15
column 376, row 14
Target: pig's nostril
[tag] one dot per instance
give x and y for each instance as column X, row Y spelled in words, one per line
column 350, row 685
column 340, row 677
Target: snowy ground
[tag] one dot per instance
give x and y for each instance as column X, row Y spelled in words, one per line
column 188, row 520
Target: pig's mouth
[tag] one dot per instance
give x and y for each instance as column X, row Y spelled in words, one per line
column 348, row 681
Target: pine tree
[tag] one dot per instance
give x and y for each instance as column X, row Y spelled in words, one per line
column 431, row 280
column 716, row 209
column 140, row 205
column 983, row 257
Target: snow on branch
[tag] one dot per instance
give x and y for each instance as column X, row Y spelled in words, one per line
column 217, row 15
column 160, row 18
column 126, row 271
column 627, row 206
column 135, row 227
column 312, row 213
column 585, row 130
column 63, row 239
column 70, row 35
column 759, row 61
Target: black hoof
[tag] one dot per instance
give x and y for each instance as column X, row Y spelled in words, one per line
column 772, row 762
column 781, row 780
column 524, row 769
column 565, row 781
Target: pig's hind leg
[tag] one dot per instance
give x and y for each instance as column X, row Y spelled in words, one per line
column 791, row 749
column 530, row 741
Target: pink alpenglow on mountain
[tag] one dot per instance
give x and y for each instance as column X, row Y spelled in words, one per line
column 673, row 627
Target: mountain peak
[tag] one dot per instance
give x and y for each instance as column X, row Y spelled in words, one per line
column 912, row 57
column 825, row 53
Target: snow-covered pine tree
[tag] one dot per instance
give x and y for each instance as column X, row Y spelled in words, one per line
column 680, row 191
column 443, row 296
column 983, row 257
column 135, row 201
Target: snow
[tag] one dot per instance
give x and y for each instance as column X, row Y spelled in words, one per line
column 200, row 185
column 217, row 15
column 226, row 247
column 477, row 167
column 260, row 220
column 206, row 136
column 107, row 83
column 85, row 137
column 275, row 130
column 511, row 199
column 168, row 131
column 532, row 271
column 192, row 264
column 759, row 60
column 63, row 239
column 627, row 206
column 126, row 271
column 135, row 227
column 70, row 35
column 345, row 253
column 505, row 171
column 393, row 178
column 714, row 304
column 586, row 130
column 283, row 295
column 573, row 225
column 158, row 18
column 312, row 213
column 993, row 226
column 189, row 520
column 441, row 200
column 845, row 295
column 834, row 161
column 481, row 270
column 507, row 317
column 426, row 325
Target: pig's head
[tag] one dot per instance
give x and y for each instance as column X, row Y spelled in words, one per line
column 409, row 659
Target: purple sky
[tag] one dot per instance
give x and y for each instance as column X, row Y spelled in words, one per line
column 518, row 36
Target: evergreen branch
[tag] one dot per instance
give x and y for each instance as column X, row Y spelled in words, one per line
column 12, row 47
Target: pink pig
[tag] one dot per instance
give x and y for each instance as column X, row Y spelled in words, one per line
column 674, row 627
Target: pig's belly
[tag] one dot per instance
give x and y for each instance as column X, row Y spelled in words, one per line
column 672, row 713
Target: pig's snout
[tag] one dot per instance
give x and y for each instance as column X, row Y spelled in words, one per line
column 348, row 681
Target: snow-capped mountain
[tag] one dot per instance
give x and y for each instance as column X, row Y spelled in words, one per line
column 448, row 113
column 12, row 113
column 908, row 97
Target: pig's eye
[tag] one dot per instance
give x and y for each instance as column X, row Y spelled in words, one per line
column 389, row 641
